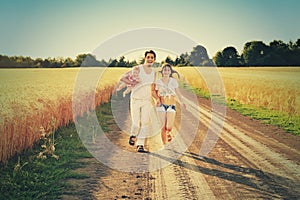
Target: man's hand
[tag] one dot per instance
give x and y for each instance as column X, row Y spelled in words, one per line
column 158, row 103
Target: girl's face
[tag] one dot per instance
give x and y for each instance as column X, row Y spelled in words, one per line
column 149, row 59
column 135, row 72
column 166, row 71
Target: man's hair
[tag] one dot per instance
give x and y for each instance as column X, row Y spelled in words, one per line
column 150, row 51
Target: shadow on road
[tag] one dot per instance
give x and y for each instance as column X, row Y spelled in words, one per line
column 268, row 185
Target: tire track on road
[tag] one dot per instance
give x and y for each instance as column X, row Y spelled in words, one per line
column 284, row 172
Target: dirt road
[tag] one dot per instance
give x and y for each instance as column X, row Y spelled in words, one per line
column 249, row 160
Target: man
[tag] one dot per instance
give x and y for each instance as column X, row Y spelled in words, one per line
column 140, row 101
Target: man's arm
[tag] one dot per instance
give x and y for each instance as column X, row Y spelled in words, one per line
column 125, row 79
column 154, row 92
column 155, row 95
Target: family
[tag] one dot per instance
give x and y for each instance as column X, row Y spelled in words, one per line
column 144, row 85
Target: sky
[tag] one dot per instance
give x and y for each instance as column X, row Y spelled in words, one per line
column 66, row 28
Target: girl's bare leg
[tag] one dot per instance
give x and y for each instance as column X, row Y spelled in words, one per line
column 161, row 114
column 163, row 136
column 170, row 118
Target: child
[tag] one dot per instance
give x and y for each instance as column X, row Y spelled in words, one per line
column 132, row 77
column 167, row 89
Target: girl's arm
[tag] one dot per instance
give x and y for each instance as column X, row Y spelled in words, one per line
column 124, row 77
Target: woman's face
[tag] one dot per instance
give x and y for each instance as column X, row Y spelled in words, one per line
column 166, row 71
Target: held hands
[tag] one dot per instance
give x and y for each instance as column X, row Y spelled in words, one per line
column 158, row 102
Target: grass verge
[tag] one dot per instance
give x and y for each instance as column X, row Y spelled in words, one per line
column 285, row 121
column 289, row 123
column 25, row 176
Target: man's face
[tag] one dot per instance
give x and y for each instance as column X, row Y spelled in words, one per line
column 149, row 59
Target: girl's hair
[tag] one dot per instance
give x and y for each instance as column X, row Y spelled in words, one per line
column 172, row 70
column 135, row 68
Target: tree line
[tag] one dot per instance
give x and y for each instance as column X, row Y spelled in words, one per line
column 255, row 53
column 197, row 57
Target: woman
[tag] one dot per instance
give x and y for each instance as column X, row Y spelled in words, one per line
column 167, row 90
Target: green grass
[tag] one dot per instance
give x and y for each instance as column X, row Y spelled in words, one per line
column 25, row 176
column 291, row 124
column 198, row 91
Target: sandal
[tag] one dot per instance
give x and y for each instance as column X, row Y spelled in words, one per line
column 140, row 148
column 132, row 140
column 169, row 137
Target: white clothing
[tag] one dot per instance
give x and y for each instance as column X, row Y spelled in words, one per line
column 140, row 106
column 166, row 89
column 142, row 90
column 140, row 119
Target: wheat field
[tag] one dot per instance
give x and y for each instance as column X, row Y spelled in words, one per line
column 32, row 99
column 275, row 88
column 35, row 99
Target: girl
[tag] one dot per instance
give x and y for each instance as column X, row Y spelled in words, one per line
column 167, row 89
column 132, row 76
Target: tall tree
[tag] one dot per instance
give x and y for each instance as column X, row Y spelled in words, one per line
column 169, row 60
column 278, row 53
column 184, row 59
column 86, row 60
column 254, row 53
column 122, row 62
column 79, row 59
column 199, row 56
column 219, row 59
column 5, row 61
column 297, row 43
column 231, row 56
column 90, row 60
column 113, row 62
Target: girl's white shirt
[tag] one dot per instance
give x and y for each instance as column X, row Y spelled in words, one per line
column 166, row 89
